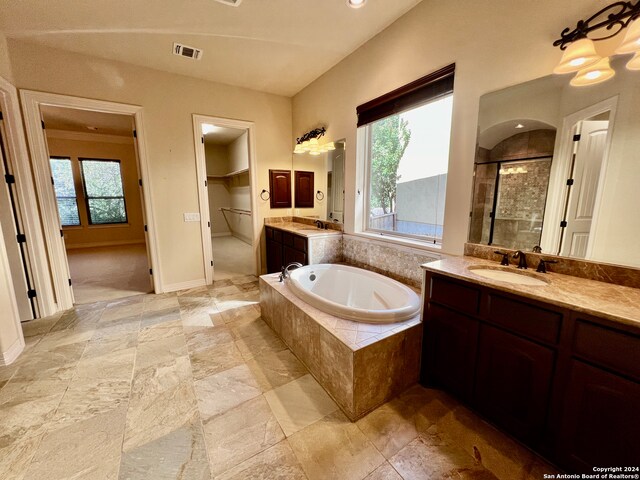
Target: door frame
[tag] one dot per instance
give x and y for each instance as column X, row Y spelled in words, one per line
column 27, row 199
column 561, row 169
column 203, row 195
column 31, row 102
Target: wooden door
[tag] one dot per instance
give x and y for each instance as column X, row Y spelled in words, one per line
column 304, row 187
column 513, row 382
column 280, row 188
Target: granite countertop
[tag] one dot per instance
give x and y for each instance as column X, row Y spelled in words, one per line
column 303, row 229
column 605, row 300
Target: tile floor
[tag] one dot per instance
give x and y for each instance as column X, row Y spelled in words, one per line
column 194, row 385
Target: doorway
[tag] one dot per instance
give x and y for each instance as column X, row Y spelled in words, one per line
column 225, row 159
column 96, row 214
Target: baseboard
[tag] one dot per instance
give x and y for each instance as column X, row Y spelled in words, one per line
column 223, row 234
column 114, row 243
column 175, row 287
column 13, row 352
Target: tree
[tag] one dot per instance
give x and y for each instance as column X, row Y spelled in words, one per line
column 390, row 138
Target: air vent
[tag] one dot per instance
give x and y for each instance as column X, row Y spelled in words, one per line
column 232, row 3
column 186, row 51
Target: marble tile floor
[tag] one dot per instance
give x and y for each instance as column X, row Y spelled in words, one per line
column 194, row 385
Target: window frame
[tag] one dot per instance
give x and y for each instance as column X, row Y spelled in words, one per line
column 390, row 102
column 90, row 223
column 75, row 189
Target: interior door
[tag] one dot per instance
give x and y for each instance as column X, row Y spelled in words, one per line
column 13, row 238
column 337, row 189
column 583, row 193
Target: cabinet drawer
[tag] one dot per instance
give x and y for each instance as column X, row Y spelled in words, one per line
column 300, row 243
column 459, row 297
column 277, row 235
column 534, row 322
column 609, row 348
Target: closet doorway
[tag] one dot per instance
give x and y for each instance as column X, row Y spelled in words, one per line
column 225, row 162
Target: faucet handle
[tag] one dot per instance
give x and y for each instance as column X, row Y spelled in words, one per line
column 542, row 266
column 505, row 257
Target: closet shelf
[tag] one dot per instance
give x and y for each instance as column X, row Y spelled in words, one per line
column 230, row 174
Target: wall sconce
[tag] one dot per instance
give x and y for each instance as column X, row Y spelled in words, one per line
column 580, row 54
column 310, row 143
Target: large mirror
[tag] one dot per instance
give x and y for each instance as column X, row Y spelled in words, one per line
column 558, row 167
column 327, row 173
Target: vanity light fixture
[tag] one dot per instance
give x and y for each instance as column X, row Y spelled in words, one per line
column 310, row 143
column 579, row 50
column 356, row 3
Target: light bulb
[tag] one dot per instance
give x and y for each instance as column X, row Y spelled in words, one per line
column 579, row 54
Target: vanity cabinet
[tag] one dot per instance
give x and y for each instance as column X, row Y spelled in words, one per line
column 564, row 383
column 284, row 248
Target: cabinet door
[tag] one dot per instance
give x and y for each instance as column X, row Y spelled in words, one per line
column 293, row 255
column 274, row 256
column 280, row 188
column 513, row 382
column 600, row 421
column 305, row 192
column 449, row 350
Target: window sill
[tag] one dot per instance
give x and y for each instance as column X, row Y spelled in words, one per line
column 405, row 242
column 110, row 225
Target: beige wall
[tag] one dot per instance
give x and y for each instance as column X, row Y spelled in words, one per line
column 169, row 101
column 5, row 64
column 96, row 235
column 217, row 159
column 494, row 44
column 239, row 153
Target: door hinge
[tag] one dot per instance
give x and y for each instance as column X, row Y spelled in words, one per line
column 576, row 137
column 52, row 182
column 42, row 123
column 1, row 116
column 69, row 282
column 10, row 178
column 209, row 224
column 145, row 228
column 31, row 293
column 61, row 233
column 140, row 181
column 570, row 181
column 205, row 183
column 212, row 263
column 202, row 139
column 135, row 134
column 151, row 271
column 22, row 238
column 563, row 224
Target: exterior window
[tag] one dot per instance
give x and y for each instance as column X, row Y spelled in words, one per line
column 407, row 156
column 104, row 193
column 65, row 190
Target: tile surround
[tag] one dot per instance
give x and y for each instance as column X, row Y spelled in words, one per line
column 172, row 429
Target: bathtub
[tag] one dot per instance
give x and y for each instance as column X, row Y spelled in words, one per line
column 353, row 293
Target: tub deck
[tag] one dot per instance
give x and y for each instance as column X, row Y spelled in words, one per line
column 360, row 365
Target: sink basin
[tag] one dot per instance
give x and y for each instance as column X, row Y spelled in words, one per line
column 508, row 276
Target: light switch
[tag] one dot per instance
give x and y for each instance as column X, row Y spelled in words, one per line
column 192, row 217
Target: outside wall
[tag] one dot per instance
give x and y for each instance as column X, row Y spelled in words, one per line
column 169, row 101
column 485, row 39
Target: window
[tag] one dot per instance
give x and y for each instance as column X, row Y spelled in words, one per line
column 103, row 190
column 408, row 133
column 65, row 190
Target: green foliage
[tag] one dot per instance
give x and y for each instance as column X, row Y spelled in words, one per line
column 389, row 140
column 102, row 179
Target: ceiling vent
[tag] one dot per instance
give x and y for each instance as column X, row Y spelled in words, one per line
column 186, row 51
column 231, row 3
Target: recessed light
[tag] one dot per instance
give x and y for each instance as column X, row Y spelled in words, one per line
column 356, row 3
column 92, row 128
column 519, row 125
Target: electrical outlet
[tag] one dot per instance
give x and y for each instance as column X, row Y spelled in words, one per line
column 191, row 217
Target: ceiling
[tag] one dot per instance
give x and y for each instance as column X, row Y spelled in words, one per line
column 276, row 46
column 222, row 135
column 74, row 120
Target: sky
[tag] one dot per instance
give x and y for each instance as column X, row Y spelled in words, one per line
column 428, row 152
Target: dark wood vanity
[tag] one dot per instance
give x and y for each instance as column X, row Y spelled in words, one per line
column 564, row 383
column 284, row 248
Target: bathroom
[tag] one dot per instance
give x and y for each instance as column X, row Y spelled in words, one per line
column 462, row 368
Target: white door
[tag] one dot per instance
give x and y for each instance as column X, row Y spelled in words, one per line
column 582, row 199
column 337, row 189
column 8, row 220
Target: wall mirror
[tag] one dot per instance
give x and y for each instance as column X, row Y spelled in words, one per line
column 327, row 172
column 559, row 167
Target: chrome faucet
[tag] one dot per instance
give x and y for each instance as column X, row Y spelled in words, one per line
column 522, row 259
column 286, row 270
column 320, row 224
